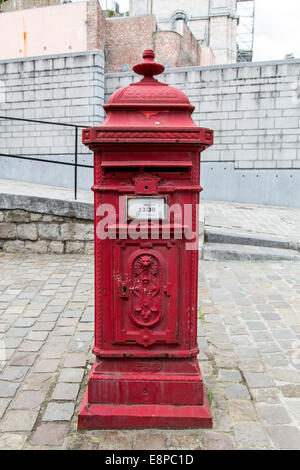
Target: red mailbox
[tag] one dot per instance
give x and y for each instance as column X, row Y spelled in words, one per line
column 146, row 189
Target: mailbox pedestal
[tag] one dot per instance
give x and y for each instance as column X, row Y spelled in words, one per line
column 147, row 165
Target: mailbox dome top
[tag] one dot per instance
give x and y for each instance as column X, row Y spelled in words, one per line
column 149, row 91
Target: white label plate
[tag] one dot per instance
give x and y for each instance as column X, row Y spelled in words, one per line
column 144, row 208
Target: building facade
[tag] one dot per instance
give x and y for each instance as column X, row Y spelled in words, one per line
column 212, row 22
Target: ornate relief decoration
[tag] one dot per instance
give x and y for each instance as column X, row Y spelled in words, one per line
column 199, row 136
column 146, row 308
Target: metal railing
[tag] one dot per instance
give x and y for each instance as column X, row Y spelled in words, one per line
column 75, row 163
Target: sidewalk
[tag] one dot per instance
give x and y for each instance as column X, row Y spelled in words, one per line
column 248, row 334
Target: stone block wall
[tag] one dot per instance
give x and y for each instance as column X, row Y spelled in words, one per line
column 122, row 47
column 64, row 88
column 32, row 232
column 254, row 110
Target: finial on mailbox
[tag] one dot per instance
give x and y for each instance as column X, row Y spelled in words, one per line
column 148, row 68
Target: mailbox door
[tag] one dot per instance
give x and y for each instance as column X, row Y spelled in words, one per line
column 146, row 291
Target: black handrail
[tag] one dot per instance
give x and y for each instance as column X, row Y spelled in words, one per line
column 75, row 164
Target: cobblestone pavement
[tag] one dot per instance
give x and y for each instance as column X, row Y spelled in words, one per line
column 253, row 218
column 249, row 331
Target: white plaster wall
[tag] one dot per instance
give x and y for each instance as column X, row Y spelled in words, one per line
column 49, row 30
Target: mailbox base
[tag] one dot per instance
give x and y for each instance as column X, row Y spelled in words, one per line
column 104, row 416
column 121, row 399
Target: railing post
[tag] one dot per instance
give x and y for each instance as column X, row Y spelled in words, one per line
column 75, row 167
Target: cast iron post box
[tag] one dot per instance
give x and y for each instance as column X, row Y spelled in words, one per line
column 146, row 186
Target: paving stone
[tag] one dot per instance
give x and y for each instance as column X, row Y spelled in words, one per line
column 14, row 373
column 18, row 420
column 256, row 325
column 10, row 441
column 251, row 365
column 71, row 375
column 31, row 346
column 12, row 342
column 24, row 322
column 216, row 441
column 8, row 389
column 285, row 437
column 41, row 382
column 220, row 420
column 4, row 327
column 266, row 395
column 273, row 414
column 285, row 375
column 229, row 375
column 64, row 331
column 186, row 440
column 270, row 316
column 65, row 391
column 236, row 391
column 75, row 360
column 76, row 346
column 226, row 361
column 49, row 434
column 258, row 380
column 4, row 402
column 241, row 410
column 247, row 352
column 294, row 407
column 68, row 322
column 37, row 335
column 49, row 317
column 27, row 400
column 59, row 412
column 72, row 314
column 274, row 360
column 112, row 440
column 50, row 352
column 268, row 347
column 241, row 340
column 250, row 435
column 46, row 365
column 43, row 326
column 283, row 334
column 23, row 359
column 17, row 332
column 290, row 390
column 150, row 441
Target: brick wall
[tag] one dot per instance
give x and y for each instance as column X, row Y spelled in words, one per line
column 96, row 26
column 126, row 39
column 175, row 49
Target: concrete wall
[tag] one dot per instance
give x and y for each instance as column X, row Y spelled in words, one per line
column 65, row 88
column 253, row 109
column 255, row 113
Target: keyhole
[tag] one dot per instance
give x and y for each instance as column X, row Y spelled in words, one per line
column 124, row 289
column 146, row 187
